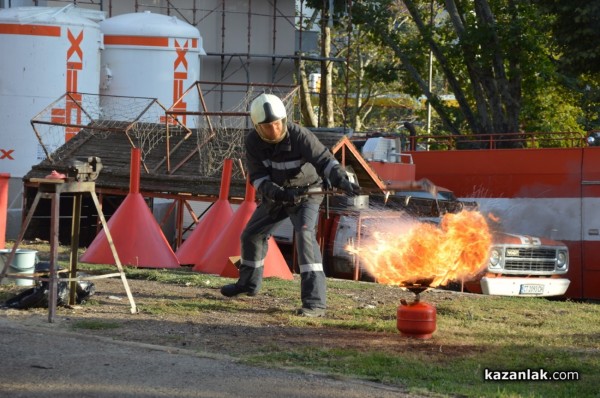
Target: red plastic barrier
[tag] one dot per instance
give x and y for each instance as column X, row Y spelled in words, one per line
column 4, row 177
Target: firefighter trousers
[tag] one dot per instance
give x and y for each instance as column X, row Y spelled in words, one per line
column 254, row 241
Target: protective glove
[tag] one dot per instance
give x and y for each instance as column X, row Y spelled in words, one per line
column 350, row 188
column 339, row 179
column 286, row 196
column 270, row 190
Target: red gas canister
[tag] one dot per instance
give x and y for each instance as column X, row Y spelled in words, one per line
column 416, row 319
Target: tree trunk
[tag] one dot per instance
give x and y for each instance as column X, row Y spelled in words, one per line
column 326, row 96
column 360, row 73
column 309, row 119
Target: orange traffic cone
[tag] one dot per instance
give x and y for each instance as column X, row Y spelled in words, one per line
column 137, row 237
column 209, row 226
column 217, row 258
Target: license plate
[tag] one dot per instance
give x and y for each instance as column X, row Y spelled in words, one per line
column 531, row 289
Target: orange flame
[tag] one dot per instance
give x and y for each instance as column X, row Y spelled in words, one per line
column 457, row 249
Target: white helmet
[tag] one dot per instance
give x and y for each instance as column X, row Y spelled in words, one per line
column 267, row 108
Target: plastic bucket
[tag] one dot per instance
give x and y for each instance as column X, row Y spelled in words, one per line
column 23, row 263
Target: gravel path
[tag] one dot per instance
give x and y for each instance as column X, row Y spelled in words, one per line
column 42, row 361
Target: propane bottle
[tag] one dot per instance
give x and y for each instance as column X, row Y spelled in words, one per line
column 416, row 319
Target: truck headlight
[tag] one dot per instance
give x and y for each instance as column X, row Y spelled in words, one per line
column 495, row 257
column 561, row 259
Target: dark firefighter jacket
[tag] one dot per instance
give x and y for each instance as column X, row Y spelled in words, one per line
column 297, row 161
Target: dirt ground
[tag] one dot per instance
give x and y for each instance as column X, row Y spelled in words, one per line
column 211, row 323
column 216, row 327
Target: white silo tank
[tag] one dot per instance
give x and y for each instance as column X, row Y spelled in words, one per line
column 153, row 56
column 52, row 50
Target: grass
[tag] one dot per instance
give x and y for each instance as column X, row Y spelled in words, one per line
column 497, row 334
column 477, row 332
column 95, row 325
column 474, row 333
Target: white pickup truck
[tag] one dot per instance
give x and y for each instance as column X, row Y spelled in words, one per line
column 522, row 265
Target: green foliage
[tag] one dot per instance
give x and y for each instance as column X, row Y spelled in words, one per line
column 340, row 7
column 373, row 93
column 576, row 30
column 552, row 108
column 384, row 72
column 371, row 100
column 589, row 88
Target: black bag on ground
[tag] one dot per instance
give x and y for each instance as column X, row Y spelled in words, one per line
column 37, row 297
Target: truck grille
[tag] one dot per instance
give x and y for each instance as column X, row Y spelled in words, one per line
column 530, row 259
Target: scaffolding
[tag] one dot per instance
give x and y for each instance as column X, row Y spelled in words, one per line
column 252, row 41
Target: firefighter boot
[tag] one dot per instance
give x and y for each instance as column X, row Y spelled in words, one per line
column 311, row 312
column 234, row 289
column 248, row 283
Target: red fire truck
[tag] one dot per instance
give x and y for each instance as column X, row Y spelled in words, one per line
column 530, row 187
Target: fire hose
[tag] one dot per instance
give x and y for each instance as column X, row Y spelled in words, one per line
column 423, row 184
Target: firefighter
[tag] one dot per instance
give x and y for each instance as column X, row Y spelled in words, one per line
column 285, row 161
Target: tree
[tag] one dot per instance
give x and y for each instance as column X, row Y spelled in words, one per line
column 484, row 49
column 369, row 93
column 369, row 75
column 308, row 115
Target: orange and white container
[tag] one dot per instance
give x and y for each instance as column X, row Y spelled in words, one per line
column 47, row 51
column 152, row 56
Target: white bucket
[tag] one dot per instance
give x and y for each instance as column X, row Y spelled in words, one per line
column 23, row 263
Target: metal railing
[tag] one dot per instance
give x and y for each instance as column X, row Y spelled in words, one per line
column 497, row 141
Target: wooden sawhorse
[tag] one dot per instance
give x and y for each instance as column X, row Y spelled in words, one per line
column 52, row 189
